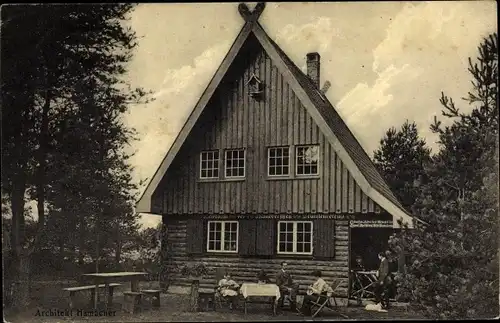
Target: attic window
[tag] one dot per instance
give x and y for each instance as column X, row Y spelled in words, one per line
column 255, row 87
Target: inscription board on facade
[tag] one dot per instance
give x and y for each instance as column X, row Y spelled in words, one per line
column 358, row 217
column 370, row 224
column 281, row 216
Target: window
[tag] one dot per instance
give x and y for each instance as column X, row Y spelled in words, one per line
column 295, row 237
column 307, row 160
column 222, row 236
column 235, row 163
column 278, row 161
column 209, row 164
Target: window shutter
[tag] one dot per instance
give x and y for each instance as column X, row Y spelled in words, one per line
column 324, row 238
column 266, row 237
column 247, row 237
column 195, row 236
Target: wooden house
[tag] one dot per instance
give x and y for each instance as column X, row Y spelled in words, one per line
column 265, row 170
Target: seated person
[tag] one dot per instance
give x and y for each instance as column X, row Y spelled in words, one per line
column 228, row 288
column 262, row 277
column 319, row 287
column 286, row 285
column 359, row 263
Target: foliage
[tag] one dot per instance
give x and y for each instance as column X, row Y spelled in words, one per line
column 148, row 244
column 64, row 92
column 194, row 269
column 401, row 159
column 453, row 262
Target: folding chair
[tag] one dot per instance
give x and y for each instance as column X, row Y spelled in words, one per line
column 324, row 301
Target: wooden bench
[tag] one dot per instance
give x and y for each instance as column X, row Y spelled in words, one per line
column 153, row 295
column 73, row 290
column 132, row 301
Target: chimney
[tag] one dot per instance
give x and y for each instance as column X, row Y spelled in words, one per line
column 313, row 68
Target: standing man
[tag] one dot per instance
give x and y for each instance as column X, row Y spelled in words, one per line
column 286, row 285
column 383, row 281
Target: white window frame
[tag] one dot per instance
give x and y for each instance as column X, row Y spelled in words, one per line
column 294, row 252
column 244, row 162
column 297, row 160
column 223, row 223
column 206, row 169
column 269, row 160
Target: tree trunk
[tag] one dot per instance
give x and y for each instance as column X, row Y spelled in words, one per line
column 193, row 300
column 97, row 251
column 81, row 242
column 21, row 286
column 118, row 250
column 17, row 207
column 40, row 175
column 20, row 261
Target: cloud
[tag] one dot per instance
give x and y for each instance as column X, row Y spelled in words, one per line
column 363, row 99
column 159, row 122
column 424, row 52
column 316, row 36
column 385, row 67
column 319, row 34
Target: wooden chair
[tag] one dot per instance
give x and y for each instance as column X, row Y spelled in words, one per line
column 324, row 301
column 285, row 298
column 220, row 300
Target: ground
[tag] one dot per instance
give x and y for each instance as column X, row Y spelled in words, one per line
column 48, row 296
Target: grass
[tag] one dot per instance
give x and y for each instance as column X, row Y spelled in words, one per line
column 48, row 296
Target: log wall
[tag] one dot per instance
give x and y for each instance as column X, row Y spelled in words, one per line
column 246, row 269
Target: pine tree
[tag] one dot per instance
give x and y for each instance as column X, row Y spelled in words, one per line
column 401, row 159
column 63, row 93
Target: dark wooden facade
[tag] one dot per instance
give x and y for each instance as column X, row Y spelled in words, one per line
column 233, row 119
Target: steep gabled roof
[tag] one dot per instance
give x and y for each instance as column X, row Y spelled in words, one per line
column 321, row 110
column 338, row 126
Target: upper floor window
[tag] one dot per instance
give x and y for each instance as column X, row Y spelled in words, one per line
column 209, row 164
column 307, row 159
column 235, row 163
column 278, row 161
column 295, row 237
column 222, row 236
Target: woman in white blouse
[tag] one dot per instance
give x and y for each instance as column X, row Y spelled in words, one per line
column 229, row 288
column 313, row 291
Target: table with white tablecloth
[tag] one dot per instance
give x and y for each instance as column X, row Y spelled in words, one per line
column 250, row 290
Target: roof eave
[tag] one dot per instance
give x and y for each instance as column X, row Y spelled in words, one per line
column 144, row 203
column 394, row 210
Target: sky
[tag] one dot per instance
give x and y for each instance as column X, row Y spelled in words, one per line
column 387, row 62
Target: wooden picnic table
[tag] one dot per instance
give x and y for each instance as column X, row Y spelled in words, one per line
column 107, row 278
